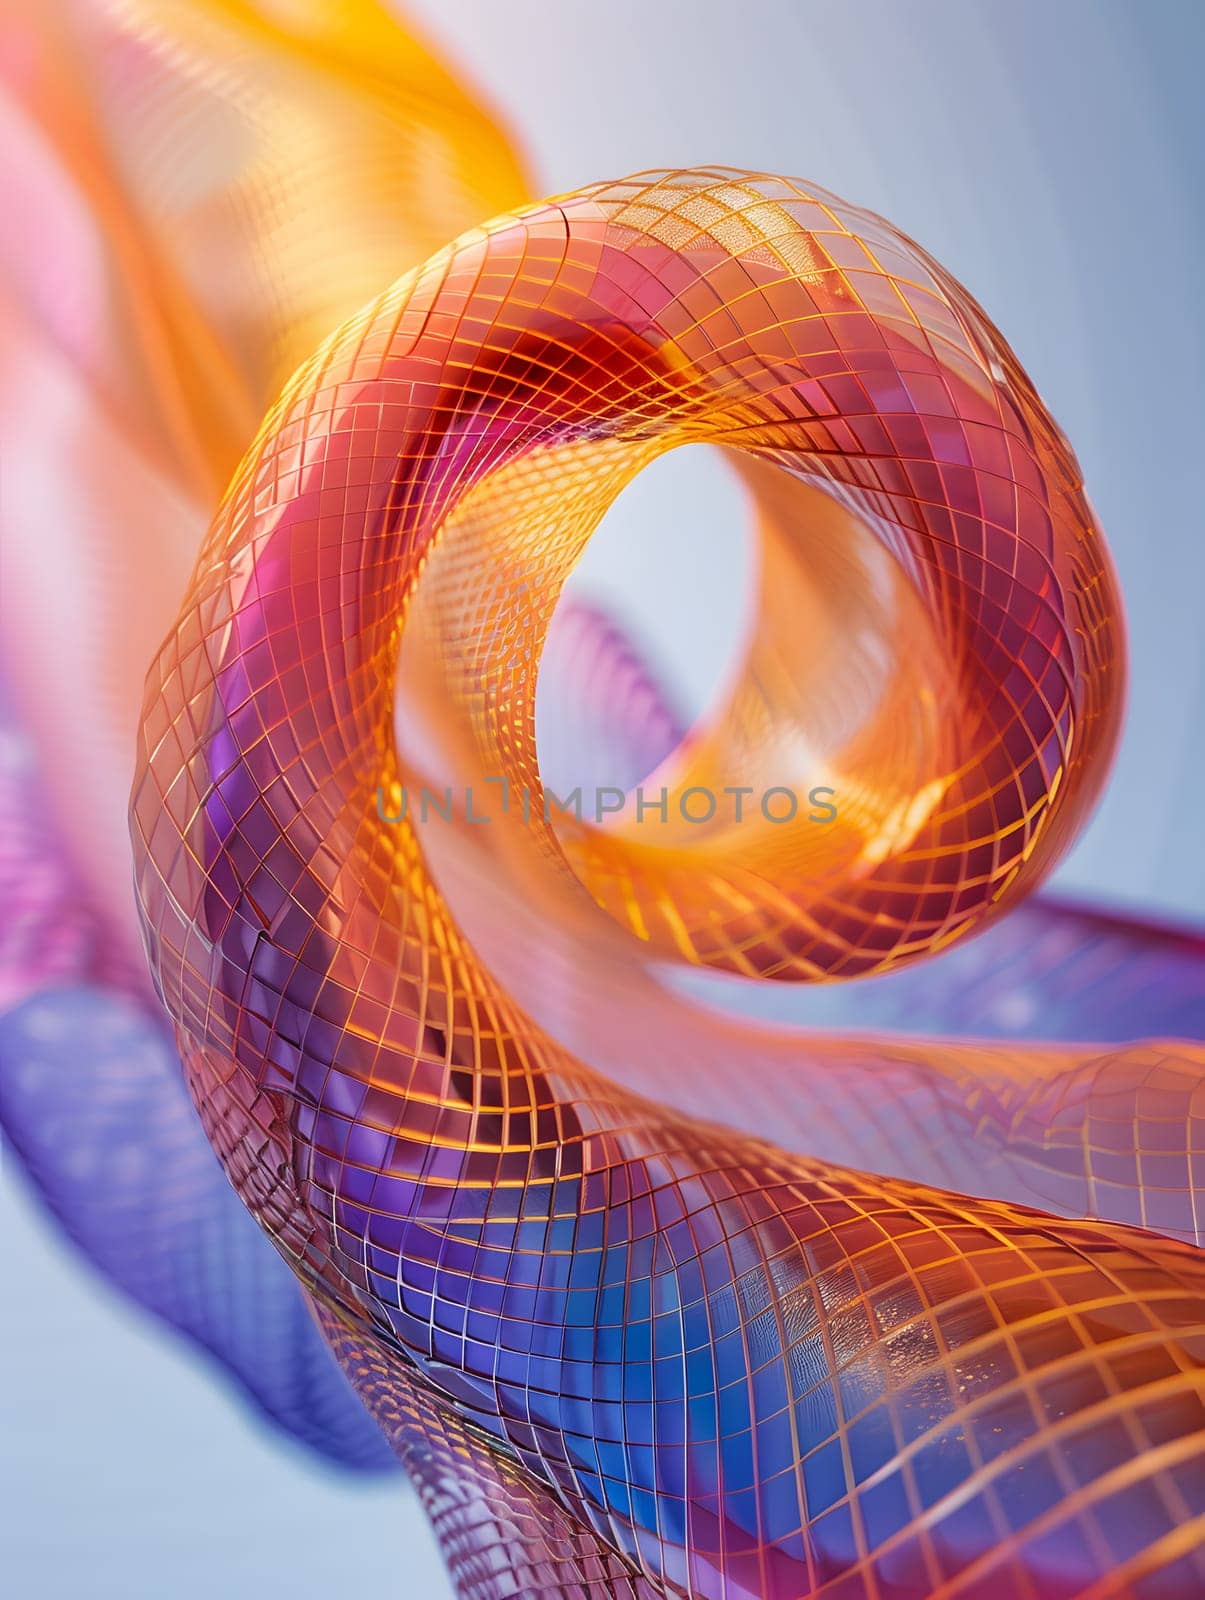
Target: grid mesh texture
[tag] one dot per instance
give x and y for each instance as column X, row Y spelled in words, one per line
column 734, row 1368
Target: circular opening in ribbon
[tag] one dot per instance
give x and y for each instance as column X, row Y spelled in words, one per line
column 650, row 628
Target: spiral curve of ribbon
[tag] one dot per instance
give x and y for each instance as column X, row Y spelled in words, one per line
column 668, row 1355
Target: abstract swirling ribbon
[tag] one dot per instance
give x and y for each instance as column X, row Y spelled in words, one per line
column 672, row 1356
column 205, row 188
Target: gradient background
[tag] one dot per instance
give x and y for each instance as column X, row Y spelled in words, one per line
column 1049, row 153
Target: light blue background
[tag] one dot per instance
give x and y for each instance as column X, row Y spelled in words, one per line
column 1049, row 153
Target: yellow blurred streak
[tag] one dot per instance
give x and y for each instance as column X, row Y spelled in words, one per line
column 254, row 172
column 203, row 192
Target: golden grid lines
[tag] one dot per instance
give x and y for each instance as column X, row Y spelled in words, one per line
column 737, row 1370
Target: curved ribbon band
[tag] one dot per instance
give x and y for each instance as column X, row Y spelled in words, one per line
column 746, row 1371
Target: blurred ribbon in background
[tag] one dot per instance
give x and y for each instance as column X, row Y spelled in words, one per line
column 198, row 192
